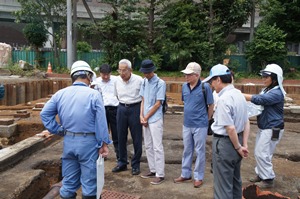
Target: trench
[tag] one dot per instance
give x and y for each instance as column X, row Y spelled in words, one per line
column 28, row 127
column 43, row 183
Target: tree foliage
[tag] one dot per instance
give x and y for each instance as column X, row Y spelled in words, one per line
column 120, row 32
column 285, row 15
column 268, row 46
column 198, row 31
column 36, row 34
column 51, row 12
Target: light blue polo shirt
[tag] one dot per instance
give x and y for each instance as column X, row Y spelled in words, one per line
column 195, row 109
column 153, row 90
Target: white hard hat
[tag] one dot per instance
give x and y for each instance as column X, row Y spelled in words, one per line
column 274, row 68
column 80, row 66
column 217, row 70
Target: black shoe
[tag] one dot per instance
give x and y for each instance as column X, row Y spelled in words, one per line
column 119, row 169
column 135, row 171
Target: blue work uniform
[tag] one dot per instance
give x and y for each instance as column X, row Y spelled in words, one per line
column 83, row 123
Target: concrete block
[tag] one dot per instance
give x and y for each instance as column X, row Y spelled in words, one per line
column 21, row 115
column 295, row 109
column 6, row 121
column 21, row 111
column 8, row 130
column 39, row 105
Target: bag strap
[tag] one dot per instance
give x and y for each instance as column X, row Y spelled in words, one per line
column 204, row 94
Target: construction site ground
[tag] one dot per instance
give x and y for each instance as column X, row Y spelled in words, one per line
column 30, row 174
column 37, row 172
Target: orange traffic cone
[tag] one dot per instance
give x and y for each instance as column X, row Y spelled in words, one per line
column 49, row 68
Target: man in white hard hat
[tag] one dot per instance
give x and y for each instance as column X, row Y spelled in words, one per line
column 83, row 125
column 270, row 123
column 231, row 130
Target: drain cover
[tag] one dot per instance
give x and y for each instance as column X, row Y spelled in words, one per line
column 106, row 194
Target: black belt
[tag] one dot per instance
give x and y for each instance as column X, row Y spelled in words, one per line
column 226, row 136
column 129, row 105
column 79, row 134
column 111, row 107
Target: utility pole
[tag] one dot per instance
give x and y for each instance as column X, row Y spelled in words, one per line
column 69, row 34
column 75, row 31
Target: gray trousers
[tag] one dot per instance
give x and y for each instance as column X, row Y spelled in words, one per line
column 226, row 169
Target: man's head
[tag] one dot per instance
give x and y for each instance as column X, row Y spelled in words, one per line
column 105, row 71
column 219, row 77
column 147, row 67
column 125, row 69
column 192, row 72
column 81, row 70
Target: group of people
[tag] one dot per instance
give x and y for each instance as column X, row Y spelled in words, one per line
column 129, row 101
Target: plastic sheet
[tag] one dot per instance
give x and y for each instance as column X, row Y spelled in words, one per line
column 100, row 175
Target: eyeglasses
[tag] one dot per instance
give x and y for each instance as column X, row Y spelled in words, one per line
column 122, row 71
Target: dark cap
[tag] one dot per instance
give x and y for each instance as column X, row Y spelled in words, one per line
column 147, row 66
column 105, row 68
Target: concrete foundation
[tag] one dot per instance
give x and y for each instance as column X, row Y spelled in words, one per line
column 8, row 130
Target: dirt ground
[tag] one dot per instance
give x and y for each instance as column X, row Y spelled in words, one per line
column 286, row 163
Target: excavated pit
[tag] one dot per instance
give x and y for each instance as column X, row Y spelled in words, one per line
column 50, row 171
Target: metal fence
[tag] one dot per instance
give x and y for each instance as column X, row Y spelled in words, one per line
column 95, row 58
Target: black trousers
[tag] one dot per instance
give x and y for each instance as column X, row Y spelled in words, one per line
column 129, row 117
column 111, row 118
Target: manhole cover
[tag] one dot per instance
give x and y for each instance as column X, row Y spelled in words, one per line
column 106, row 194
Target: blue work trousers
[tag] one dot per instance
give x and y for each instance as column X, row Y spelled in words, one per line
column 79, row 165
column 129, row 117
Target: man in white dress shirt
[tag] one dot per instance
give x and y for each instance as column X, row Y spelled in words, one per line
column 105, row 85
column 127, row 89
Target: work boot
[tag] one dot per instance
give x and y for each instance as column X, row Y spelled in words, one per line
column 73, row 197
column 255, row 179
column 265, row 184
column 89, row 197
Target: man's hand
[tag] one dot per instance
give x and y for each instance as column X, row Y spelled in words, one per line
column 44, row 133
column 104, row 150
column 243, row 151
column 143, row 121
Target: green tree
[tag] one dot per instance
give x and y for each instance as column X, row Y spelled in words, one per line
column 36, row 35
column 268, row 46
column 198, row 30
column 285, row 15
column 120, row 32
column 51, row 12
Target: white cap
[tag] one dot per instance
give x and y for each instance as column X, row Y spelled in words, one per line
column 80, row 66
column 191, row 68
column 274, row 68
column 217, row 70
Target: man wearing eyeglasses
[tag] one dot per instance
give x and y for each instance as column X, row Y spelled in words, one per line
column 127, row 88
